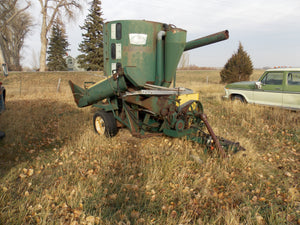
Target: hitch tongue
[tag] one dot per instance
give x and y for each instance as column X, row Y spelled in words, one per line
column 203, row 117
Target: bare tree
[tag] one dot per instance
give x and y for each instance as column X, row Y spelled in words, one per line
column 35, row 60
column 50, row 11
column 14, row 25
column 20, row 28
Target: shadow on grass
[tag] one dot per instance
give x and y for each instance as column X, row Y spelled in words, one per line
column 124, row 195
column 33, row 127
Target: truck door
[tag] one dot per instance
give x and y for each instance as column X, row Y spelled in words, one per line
column 271, row 89
column 291, row 91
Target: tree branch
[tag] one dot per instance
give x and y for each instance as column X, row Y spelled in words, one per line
column 17, row 13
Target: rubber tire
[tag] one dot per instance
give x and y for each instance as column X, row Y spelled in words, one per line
column 108, row 123
column 238, row 98
column 2, row 135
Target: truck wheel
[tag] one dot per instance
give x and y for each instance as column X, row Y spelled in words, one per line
column 105, row 123
column 238, row 98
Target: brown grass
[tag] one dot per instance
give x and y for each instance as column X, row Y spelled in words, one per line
column 55, row 170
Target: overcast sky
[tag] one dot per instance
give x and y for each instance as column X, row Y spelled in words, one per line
column 269, row 30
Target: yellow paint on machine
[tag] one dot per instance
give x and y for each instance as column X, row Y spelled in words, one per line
column 188, row 97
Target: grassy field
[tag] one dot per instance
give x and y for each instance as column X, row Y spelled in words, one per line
column 55, row 170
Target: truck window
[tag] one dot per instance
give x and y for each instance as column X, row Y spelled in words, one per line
column 273, row 78
column 294, row 78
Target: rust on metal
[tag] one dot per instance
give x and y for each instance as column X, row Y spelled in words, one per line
column 212, row 134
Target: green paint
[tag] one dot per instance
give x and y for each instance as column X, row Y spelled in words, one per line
column 147, row 52
column 174, row 45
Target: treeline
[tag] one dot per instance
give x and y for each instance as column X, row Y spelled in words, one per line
column 194, row 67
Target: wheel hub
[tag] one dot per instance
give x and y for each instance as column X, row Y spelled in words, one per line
column 100, row 125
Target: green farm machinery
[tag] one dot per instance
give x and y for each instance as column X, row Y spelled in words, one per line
column 140, row 62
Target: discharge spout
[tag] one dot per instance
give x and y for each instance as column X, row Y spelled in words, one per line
column 210, row 39
column 103, row 89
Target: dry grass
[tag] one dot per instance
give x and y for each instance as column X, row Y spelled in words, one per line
column 55, row 170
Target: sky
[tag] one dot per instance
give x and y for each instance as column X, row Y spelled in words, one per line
column 269, row 30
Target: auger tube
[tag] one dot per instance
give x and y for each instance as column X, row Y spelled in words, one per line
column 207, row 40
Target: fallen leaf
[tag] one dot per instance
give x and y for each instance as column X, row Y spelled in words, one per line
column 288, row 174
column 135, row 214
column 22, row 176
column 260, row 220
column 90, row 172
column 77, row 213
column 30, row 172
column 141, row 220
column 173, row 213
column 113, row 196
column 90, row 219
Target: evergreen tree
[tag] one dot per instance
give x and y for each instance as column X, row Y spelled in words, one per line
column 92, row 44
column 58, row 48
column 238, row 68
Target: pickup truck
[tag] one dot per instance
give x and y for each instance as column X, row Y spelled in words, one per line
column 276, row 87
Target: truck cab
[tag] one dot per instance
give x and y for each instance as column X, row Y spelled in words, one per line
column 276, row 87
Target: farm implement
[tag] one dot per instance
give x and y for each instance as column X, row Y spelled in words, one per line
column 140, row 61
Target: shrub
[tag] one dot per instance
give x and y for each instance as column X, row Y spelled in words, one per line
column 238, row 68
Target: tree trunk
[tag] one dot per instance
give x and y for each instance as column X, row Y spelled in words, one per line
column 1, row 58
column 44, row 42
